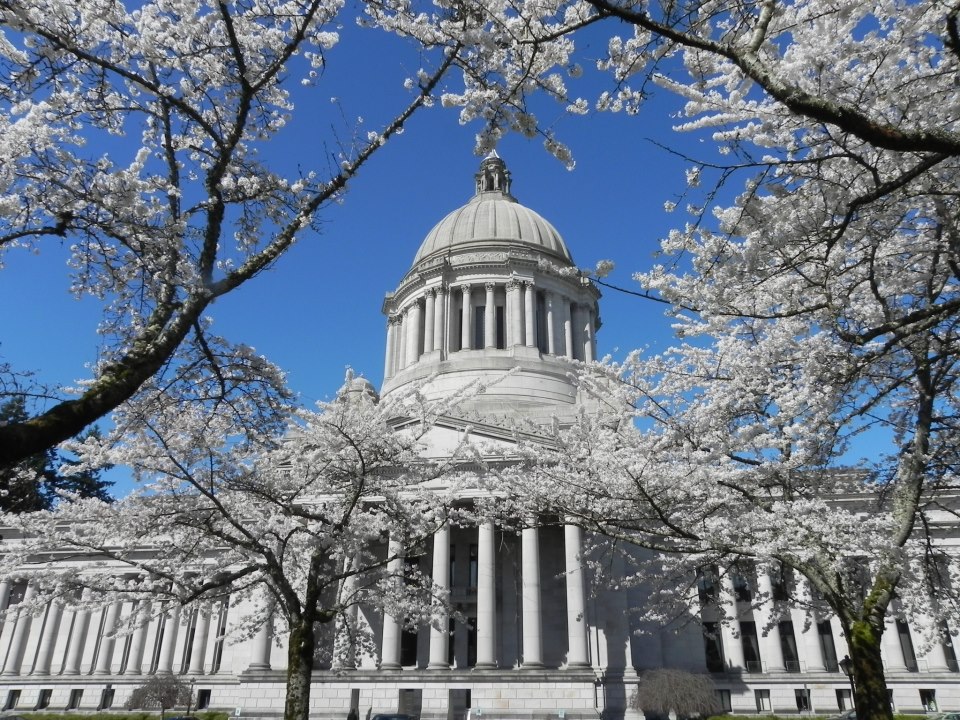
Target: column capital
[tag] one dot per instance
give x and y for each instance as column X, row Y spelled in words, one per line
column 441, row 289
column 528, row 283
column 489, row 286
column 465, row 287
column 514, row 284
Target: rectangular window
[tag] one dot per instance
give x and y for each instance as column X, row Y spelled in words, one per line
column 803, row 699
column 751, row 646
column 740, row 575
column 16, row 595
column 188, row 645
column 501, row 328
column 13, row 697
column 43, row 702
column 928, row 699
column 75, row 697
column 829, row 650
column 474, row 567
column 221, row 635
column 707, row 584
column 125, row 654
column 542, row 343
column 157, row 644
column 203, row 699
column 893, row 708
column 451, row 642
column 723, row 697
column 763, row 700
column 844, row 702
column 408, row 648
column 453, row 566
column 713, row 647
column 788, row 646
column 906, row 646
column 106, row 698
column 479, row 320
column 472, row 643
column 781, row 583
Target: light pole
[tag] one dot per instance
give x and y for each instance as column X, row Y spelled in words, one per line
column 847, row 666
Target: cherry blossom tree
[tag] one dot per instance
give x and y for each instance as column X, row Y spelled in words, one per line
column 293, row 527
column 136, row 134
column 816, row 304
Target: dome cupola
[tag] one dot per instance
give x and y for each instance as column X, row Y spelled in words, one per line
column 493, row 218
column 487, row 299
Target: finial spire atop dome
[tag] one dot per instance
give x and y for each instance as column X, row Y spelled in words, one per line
column 493, row 175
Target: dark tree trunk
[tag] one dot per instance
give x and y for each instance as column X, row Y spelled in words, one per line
column 299, row 671
column 871, row 697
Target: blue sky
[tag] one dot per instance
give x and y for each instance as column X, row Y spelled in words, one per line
column 318, row 310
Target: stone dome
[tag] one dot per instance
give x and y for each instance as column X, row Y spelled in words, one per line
column 492, row 218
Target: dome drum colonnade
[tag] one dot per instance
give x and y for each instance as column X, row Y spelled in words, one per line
column 481, row 282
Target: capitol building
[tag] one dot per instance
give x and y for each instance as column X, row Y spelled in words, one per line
column 487, row 299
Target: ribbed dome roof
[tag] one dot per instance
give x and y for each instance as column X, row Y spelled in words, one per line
column 492, row 217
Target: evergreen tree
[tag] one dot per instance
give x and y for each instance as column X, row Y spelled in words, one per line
column 33, row 483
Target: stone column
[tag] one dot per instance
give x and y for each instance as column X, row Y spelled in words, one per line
column 515, row 311
column 936, row 656
column 732, row 646
column 486, row 597
column 811, row 655
column 771, row 651
column 390, row 643
column 201, row 632
column 530, row 313
column 617, row 628
column 549, row 299
column 21, row 631
column 345, row 650
column 403, row 329
column 576, row 599
column 171, row 626
column 48, row 640
column 490, row 318
column 413, row 333
column 440, row 319
column 107, row 640
column 138, row 639
column 391, row 349
column 429, row 322
column 439, row 631
column 466, row 315
column 589, row 341
column 78, row 637
column 263, row 644
column 890, row 647
column 532, row 619
column 566, row 317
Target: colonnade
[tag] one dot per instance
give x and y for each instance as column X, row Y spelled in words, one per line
column 812, row 646
column 85, row 641
column 442, row 320
column 486, row 618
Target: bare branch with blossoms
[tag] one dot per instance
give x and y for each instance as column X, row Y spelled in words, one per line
column 298, row 527
column 135, row 134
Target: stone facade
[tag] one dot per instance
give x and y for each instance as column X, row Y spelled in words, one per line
column 492, row 289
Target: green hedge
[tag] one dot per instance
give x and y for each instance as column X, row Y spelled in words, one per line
column 124, row 715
